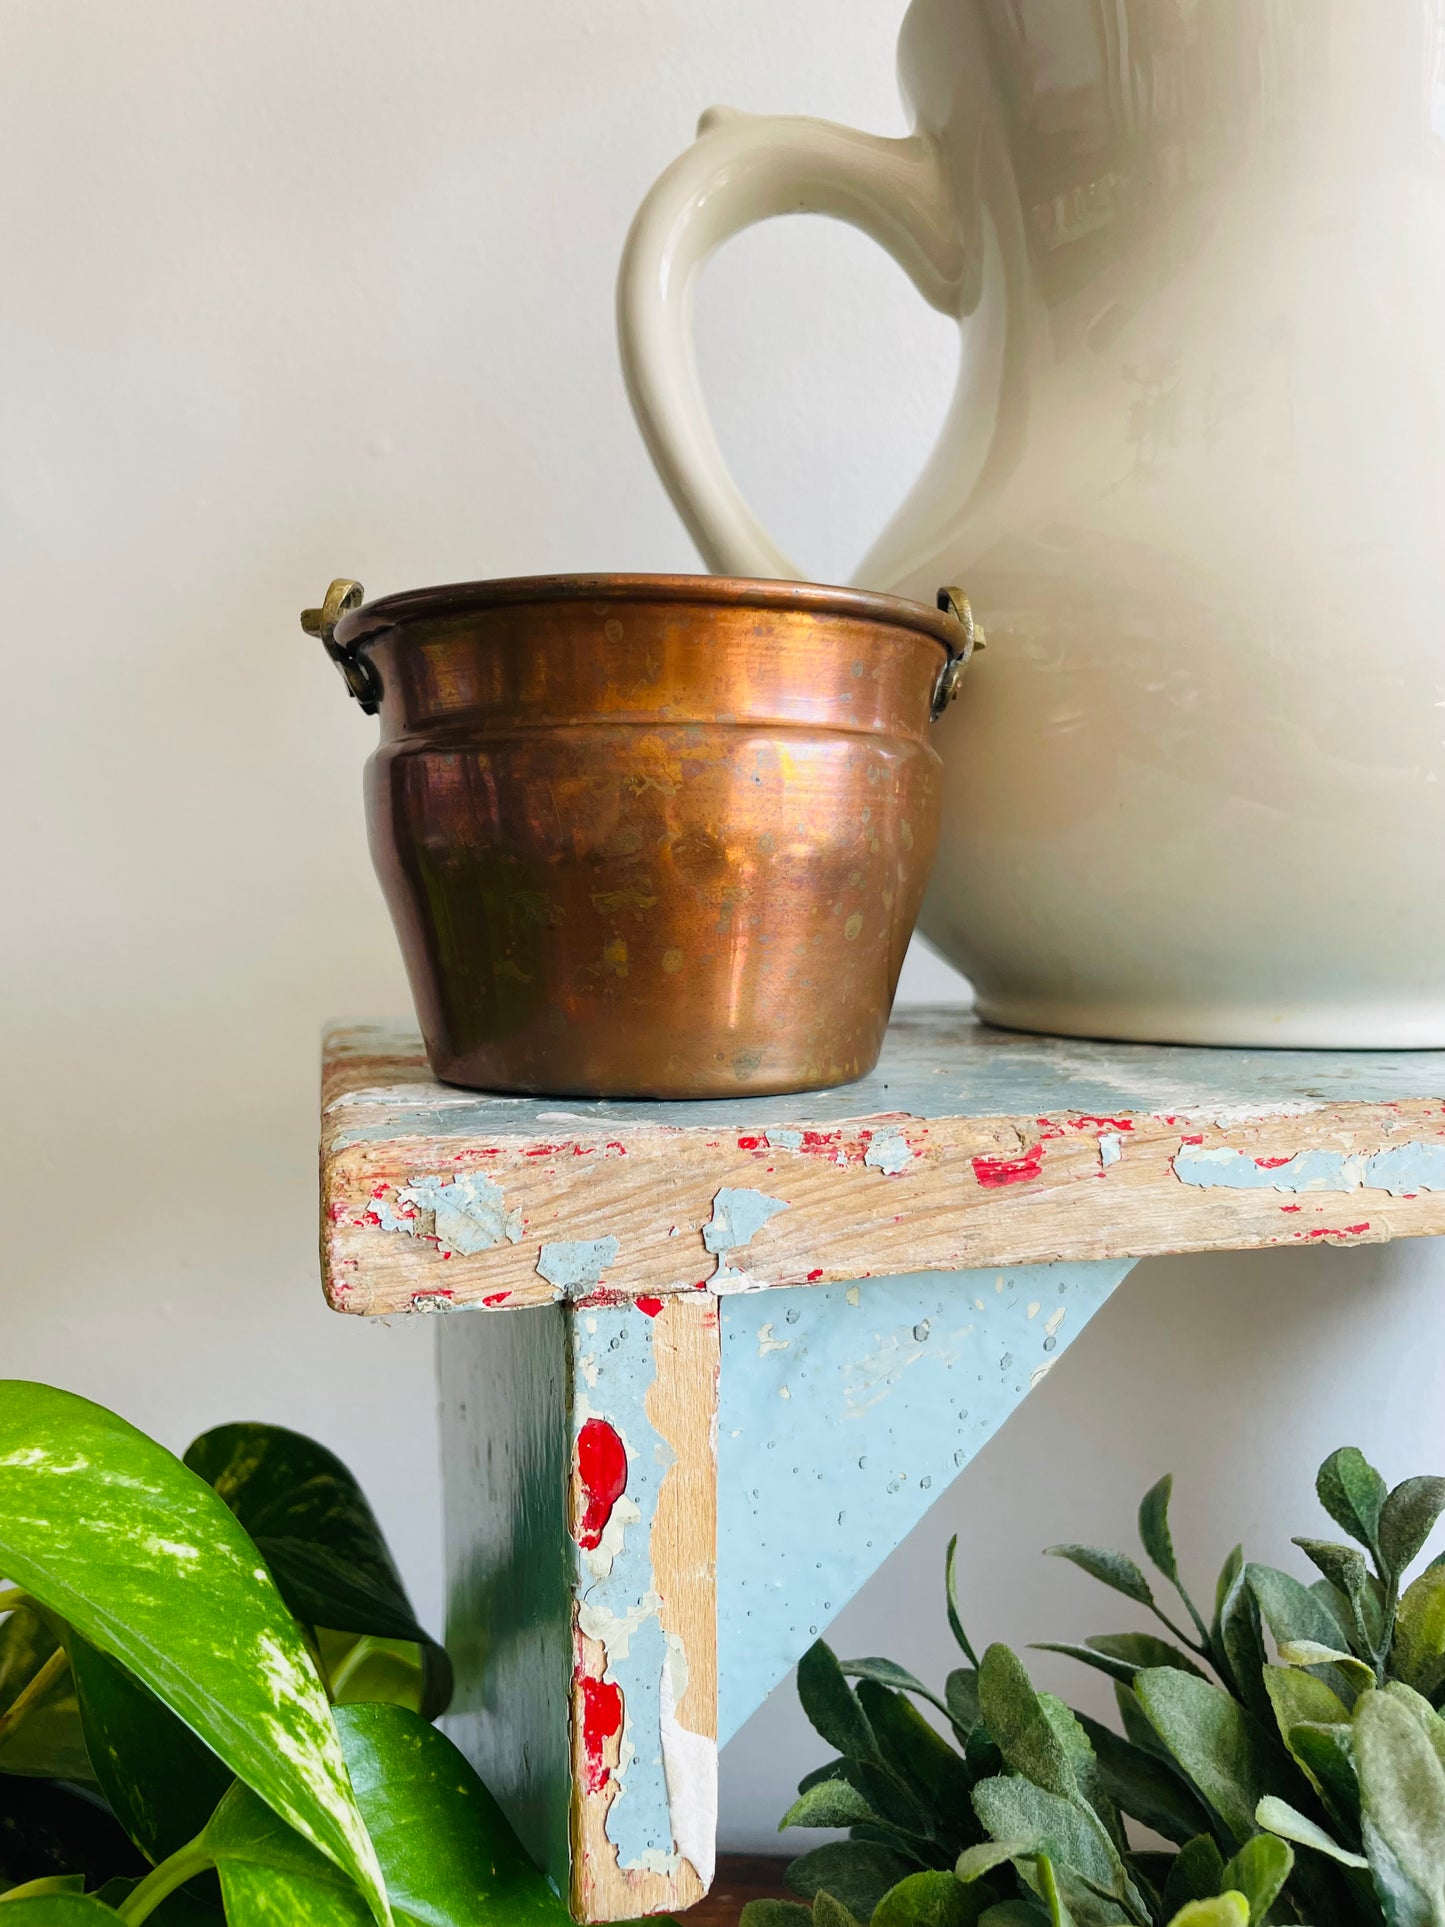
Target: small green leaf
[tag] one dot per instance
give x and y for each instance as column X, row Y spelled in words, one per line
column 950, row 1589
column 1296, row 1696
column 1016, row 1718
column 828, row 1912
column 1224, row 1910
column 926, row 1900
column 1136, row 1724
column 321, row 1539
column 1372, row 1607
column 960, row 1694
column 884, row 1672
column 1242, row 1639
column 140, row 1556
column 1407, row 1519
column 975, row 1862
column 1014, row 1913
column 1326, row 1754
column 1197, row 1874
column 1421, row 1712
column 1228, row 1573
column 1418, row 1653
column 1259, row 1871
column 1344, row 1568
column 1352, row 1492
column 1114, row 1569
column 1154, row 1533
column 775, row 1913
column 922, row 1759
column 1304, row 1653
column 1015, row 1809
column 1145, row 1787
column 831, row 1706
column 1222, row 1751
column 1278, row 1816
column 832, row 1803
column 1122, row 1655
column 857, row 1872
column 1292, row 1611
column 1402, row 1802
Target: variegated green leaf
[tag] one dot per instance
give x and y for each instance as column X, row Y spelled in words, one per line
column 56, row 1910
column 448, row 1855
column 316, row 1531
column 138, row 1554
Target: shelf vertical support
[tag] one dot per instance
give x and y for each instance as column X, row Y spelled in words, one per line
column 580, row 1461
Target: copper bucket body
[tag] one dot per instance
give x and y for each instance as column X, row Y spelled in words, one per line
column 651, row 836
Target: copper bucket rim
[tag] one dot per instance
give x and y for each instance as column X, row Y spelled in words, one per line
column 359, row 625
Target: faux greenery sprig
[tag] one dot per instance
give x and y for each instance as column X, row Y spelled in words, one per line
column 1307, row 1787
column 215, row 1697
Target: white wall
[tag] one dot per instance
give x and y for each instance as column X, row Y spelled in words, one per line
column 303, row 288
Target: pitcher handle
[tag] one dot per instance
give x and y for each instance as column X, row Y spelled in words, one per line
column 744, row 169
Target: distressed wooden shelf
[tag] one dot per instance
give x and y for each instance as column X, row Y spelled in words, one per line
column 724, row 1328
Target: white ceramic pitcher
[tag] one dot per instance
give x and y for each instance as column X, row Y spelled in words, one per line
column 1193, row 480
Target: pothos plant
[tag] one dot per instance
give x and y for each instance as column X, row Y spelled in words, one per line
column 215, row 1696
column 1306, row 1786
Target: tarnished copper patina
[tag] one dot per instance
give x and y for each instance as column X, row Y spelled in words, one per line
column 651, row 836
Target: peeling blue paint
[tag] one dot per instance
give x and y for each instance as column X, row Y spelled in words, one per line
column 617, row 1599
column 1407, row 1168
column 737, row 1217
column 465, row 1214
column 888, row 1152
column 573, row 1264
column 832, row 1446
column 1403, row 1170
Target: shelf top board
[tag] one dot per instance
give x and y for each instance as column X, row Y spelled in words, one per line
column 967, row 1147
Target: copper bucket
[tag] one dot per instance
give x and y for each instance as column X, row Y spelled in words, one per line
column 651, row 836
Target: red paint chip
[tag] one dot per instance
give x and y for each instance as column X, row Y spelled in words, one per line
column 994, row 1173
column 601, row 1718
column 652, row 1306
column 602, row 1470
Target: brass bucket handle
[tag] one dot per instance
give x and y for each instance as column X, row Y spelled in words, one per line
column 953, row 602
column 359, row 675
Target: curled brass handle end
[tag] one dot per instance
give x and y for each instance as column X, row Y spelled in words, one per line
column 953, row 602
column 357, row 672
